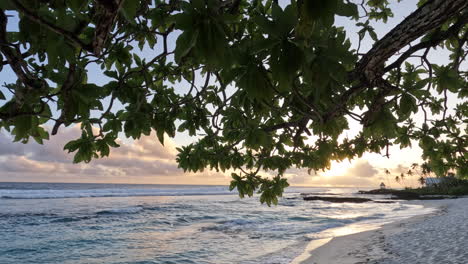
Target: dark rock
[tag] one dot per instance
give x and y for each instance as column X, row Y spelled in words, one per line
column 318, row 193
column 379, row 191
column 384, row 202
column 437, row 197
column 337, row 199
column 396, row 194
column 401, row 195
column 407, row 195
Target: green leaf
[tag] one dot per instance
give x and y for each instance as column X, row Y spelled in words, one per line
column 72, row 146
column 43, row 133
column 183, row 21
column 421, row 84
column 130, row 8
column 284, row 21
column 407, row 105
column 199, row 4
column 112, row 74
column 7, row 5
column 372, row 34
column 184, row 44
column 160, row 135
column 447, row 78
column 347, row 9
column 103, row 148
column 23, row 125
column 323, row 10
column 266, row 25
column 287, row 65
column 255, row 83
column 77, row 5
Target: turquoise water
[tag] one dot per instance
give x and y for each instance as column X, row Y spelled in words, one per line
column 97, row 223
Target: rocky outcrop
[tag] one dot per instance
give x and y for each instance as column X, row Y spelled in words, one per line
column 406, row 195
column 337, row 199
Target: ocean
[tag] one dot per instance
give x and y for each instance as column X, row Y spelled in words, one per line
column 123, row 223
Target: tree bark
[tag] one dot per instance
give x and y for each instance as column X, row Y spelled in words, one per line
column 370, row 69
column 426, row 18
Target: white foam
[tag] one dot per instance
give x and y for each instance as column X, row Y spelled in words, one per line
column 125, row 210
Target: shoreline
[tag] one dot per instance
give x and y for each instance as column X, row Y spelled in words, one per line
column 396, row 240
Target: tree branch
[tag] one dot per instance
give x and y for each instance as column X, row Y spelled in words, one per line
column 428, row 17
column 67, row 34
column 65, row 90
column 434, row 41
column 108, row 11
column 370, row 68
column 16, row 62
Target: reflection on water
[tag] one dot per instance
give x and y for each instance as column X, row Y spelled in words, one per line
column 351, row 229
column 330, row 234
column 311, row 246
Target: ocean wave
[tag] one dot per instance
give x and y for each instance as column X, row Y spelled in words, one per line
column 71, row 219
column 89, row 193
column 401, row 208
column 196, row 218
column 125, row 210
column 299, row 218
column 236, row 222
column 228, row 226
column 361, row 218
column 31, row 214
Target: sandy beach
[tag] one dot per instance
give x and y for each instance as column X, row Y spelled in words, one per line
column 440, row 237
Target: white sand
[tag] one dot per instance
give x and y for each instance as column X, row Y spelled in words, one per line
column 440, row 238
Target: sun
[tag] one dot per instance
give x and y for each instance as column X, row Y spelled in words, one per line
column 337, row 169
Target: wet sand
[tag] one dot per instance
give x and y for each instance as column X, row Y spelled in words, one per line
column 440, row 237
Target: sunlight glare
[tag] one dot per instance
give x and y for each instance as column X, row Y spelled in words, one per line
column 337, row 168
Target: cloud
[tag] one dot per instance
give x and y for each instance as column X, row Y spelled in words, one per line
column 51, row 151
column 140, row 161
column 10, row 148
column 147, row 161
column 340, row 180
column 347, row 181
column 22, row 164
column 362, row 168
column 400, row 169
column 357, row 173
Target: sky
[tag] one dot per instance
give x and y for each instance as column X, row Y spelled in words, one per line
column 147, row 161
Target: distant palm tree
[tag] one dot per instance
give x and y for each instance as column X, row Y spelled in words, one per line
column 410, row 173
column 426, row 169
column 422, row 180
column 387, row 173
column 402, row 179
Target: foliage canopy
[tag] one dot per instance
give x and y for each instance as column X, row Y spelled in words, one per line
column 265, row 86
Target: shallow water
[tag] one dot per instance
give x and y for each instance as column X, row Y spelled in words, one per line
column 169, row 224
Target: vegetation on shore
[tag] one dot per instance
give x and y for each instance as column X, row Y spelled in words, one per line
column 429, row 183
column 459, row 188
column 422, row 193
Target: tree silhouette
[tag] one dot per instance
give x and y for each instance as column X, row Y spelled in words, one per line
column 259, row 86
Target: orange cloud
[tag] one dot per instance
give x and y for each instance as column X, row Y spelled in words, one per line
column 141, row 161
